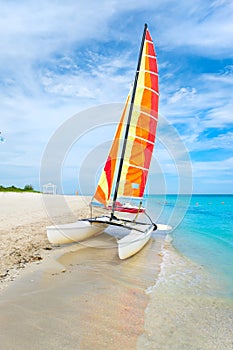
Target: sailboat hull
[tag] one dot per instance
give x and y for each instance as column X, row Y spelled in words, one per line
column 134, row 242
column 73, row 232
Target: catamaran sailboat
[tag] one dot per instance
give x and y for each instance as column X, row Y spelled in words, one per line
column 126, row 170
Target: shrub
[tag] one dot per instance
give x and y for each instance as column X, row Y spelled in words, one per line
column 28, row 188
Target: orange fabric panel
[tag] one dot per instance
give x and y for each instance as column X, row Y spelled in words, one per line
column 147, row 80
column 146, row 127
column 141, row 153
column 135, row 176
column 100, row 195
column 146, row 99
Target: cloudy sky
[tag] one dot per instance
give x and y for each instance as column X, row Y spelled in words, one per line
column 61, row 58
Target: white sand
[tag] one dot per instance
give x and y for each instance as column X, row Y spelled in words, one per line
column 21, row 208
column 23, row 221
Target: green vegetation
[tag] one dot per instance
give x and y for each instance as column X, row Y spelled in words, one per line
column 27, row 188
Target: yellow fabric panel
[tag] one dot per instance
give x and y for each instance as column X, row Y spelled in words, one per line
column 102, row 189
column 124, row 172
column 138, row 97
column 141, row 78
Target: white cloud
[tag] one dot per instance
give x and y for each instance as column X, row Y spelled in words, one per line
column 222, row 141
column 183, row 93
column 36, row 29
column 226, row 77
column 219, row 117
column 199, row 26
column 211, row 168
column 206, row 104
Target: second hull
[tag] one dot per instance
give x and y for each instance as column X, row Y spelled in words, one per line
column 73, row 232
column 133, row 242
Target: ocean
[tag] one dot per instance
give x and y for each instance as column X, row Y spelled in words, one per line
column 202, row 231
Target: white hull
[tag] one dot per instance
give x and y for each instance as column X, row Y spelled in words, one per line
column 83, row 229
column 134, row 242
column 74, row 232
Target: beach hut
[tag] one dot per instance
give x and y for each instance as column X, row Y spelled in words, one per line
column 49, row 188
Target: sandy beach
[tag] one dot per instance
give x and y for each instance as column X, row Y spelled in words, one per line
column 81, row 296
column 24, row 217
column 81, row 288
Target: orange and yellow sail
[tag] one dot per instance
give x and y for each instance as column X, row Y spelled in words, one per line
column 141, row 133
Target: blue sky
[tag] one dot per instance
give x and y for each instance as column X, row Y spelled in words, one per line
column 60, row 58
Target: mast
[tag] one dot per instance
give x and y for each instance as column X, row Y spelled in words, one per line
column 128, row 123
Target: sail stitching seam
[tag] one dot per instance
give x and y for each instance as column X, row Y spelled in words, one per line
column 136, row 166
column 147, row 114
column 147, row 88
column 123, row 196
column 141, row 138
column 147, row 71
column 151, row 56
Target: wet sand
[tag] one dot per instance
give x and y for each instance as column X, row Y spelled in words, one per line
column 89, row 299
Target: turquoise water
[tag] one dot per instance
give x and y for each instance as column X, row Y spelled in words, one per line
column 203, row 233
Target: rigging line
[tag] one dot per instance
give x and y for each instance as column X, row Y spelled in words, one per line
column 90, row 205
column 121, row 223
column 128, row 122
column 149, row 218
column 139, row 207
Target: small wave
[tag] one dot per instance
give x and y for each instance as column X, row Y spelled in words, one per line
column 168, row 239
column 165, row 253
column 177, row 271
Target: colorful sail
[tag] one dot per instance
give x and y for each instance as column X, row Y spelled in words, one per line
column 143, row 124
column 137, row 127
